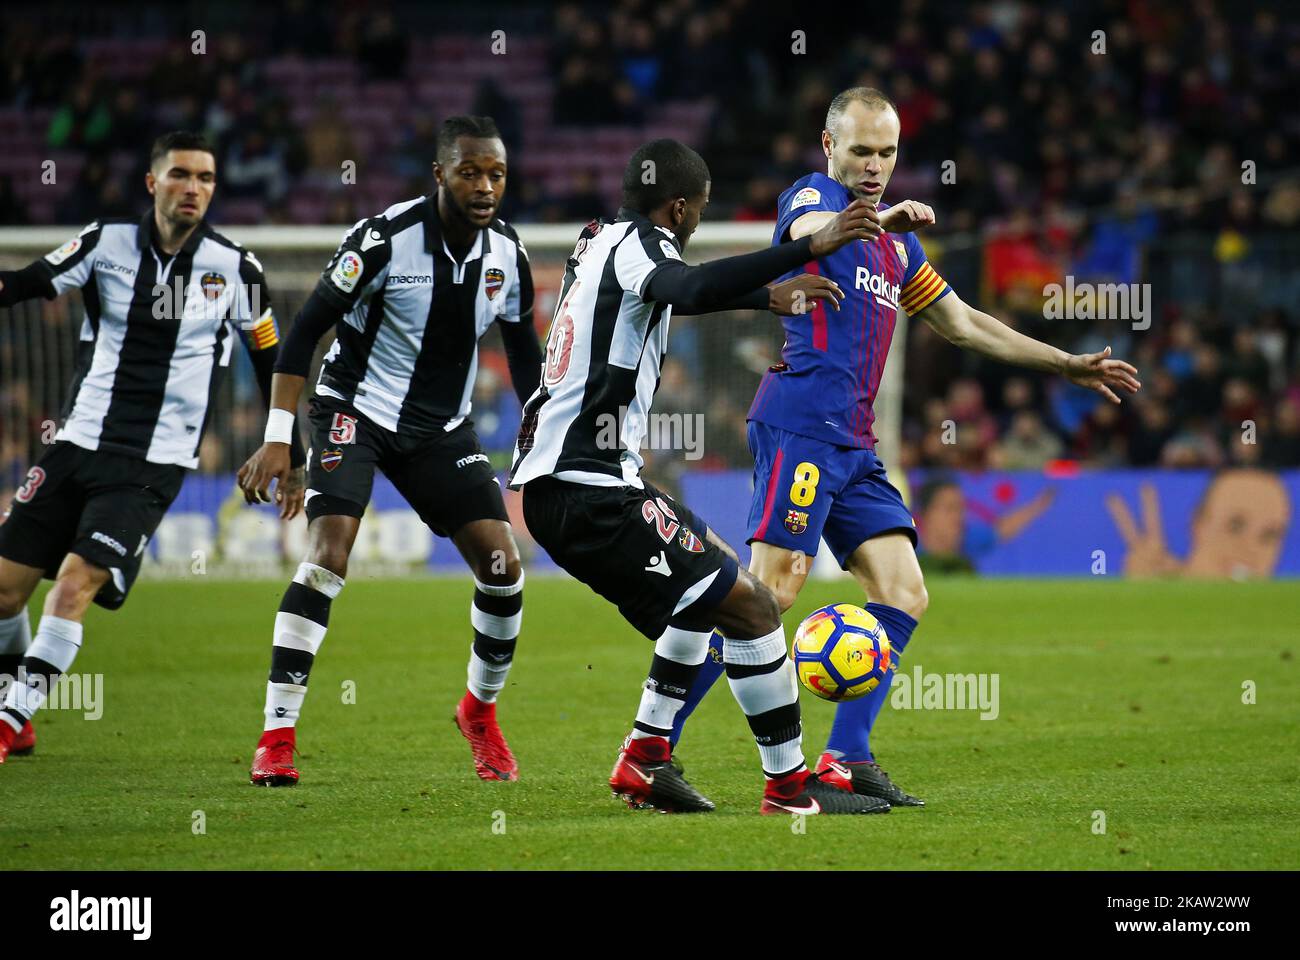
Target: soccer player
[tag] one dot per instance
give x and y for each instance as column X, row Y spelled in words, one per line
column 815, row 468
column 163, row 298
column 410, row 292
column 578, row 463
column 816, row 472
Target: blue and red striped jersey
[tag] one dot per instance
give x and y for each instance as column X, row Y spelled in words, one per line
column 832, row 361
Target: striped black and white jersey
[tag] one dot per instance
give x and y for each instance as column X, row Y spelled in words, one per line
column 157, row 334
column 406, row 354
column 587, row 420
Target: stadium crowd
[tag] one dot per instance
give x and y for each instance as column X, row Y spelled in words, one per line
column 1045, row 155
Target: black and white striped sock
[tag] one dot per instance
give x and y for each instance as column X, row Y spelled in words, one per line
column 679, row 654
column 15, row 638
column 496, row 614
column 762, row 679
column 299, row 632
column 50, row 655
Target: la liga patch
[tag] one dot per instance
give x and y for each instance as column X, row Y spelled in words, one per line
column 806, row 198
column 56, row 257
column 347, row 271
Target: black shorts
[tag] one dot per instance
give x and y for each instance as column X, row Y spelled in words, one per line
column 639, row 549
column 101, row 506
column 447, row 478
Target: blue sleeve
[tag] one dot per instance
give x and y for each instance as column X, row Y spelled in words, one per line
column 915, row 257
column 797, row 201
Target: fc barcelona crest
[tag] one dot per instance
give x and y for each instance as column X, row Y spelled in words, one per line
column 902, row 252
column 796, row 521
column 329, row 459
column 212, row 284
column 690, row 541
column 493, row 278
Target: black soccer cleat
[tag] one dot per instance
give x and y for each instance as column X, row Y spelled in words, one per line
column 865, row 779
column 647, row 781
column 816, row 796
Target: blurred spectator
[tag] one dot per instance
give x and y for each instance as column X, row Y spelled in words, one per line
column 383, row 48
column 329, row 144
column 1028, row 445
column 96, row 194
column 255, row 166
column 82, row 121
column 12, row 210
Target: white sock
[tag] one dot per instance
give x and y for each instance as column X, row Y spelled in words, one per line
column 497, row 615
column 15, row 638
column 678, row 655
column 763, row 681
column 297, row 639
column 56, row 643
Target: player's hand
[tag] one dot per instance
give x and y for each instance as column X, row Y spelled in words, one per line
column 1097, row 372
column 858, row 221
column 793, row 297
column 291, row 492
column 270, row 462
column 907, row 216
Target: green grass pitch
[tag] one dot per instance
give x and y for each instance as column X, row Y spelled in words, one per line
column 1120, row 697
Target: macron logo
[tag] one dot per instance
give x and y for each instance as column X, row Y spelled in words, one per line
column 76, row 913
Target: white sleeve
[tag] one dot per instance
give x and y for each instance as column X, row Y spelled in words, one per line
column 640, row 254
column 70, row 265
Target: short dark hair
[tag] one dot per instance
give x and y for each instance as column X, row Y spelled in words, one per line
column 480, row 128
column 675, row 170
column 869, row 96
column 178, row 140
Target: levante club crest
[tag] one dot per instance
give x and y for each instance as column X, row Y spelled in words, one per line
column 329, row 459
column 796, row 521
column 690, row 541
column 213, row 284
column 493, row 278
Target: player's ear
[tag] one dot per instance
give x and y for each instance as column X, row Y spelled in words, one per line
column 150, row 181
column 438, row 176
column 826, row 143
column 679, row 210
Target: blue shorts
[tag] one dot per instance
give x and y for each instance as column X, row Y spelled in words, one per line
column 807, row 489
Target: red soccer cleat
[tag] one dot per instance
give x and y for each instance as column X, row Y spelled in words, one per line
column 16, row 743
column 866, row 779
column 477, row 722
column 646, row 777
column 25, row 742
column 273, row 761
column 809, row 793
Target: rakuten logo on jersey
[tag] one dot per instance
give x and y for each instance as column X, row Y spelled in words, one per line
column 884, row 291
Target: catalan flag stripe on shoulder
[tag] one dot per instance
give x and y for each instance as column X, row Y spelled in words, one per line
column 263, row 333
column 923, row 289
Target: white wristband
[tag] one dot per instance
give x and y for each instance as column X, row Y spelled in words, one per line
column 279, row 426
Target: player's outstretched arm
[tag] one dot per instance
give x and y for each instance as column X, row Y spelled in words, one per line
column 25, row 284
column 55, row 273
column 718, row 284
column 272, row 461
column 971, row 329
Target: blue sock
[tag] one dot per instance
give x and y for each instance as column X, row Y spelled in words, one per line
column 850, row 733
column 709, row 673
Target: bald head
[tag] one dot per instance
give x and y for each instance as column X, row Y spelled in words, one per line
column 869, row 97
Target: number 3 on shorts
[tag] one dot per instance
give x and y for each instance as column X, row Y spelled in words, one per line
column 804, row 488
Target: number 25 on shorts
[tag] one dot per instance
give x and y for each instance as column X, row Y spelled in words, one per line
column 804, row 488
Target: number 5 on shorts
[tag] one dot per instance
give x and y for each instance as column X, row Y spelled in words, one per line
column 804, row 488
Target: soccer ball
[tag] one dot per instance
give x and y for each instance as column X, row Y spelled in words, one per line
column 841, row 652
